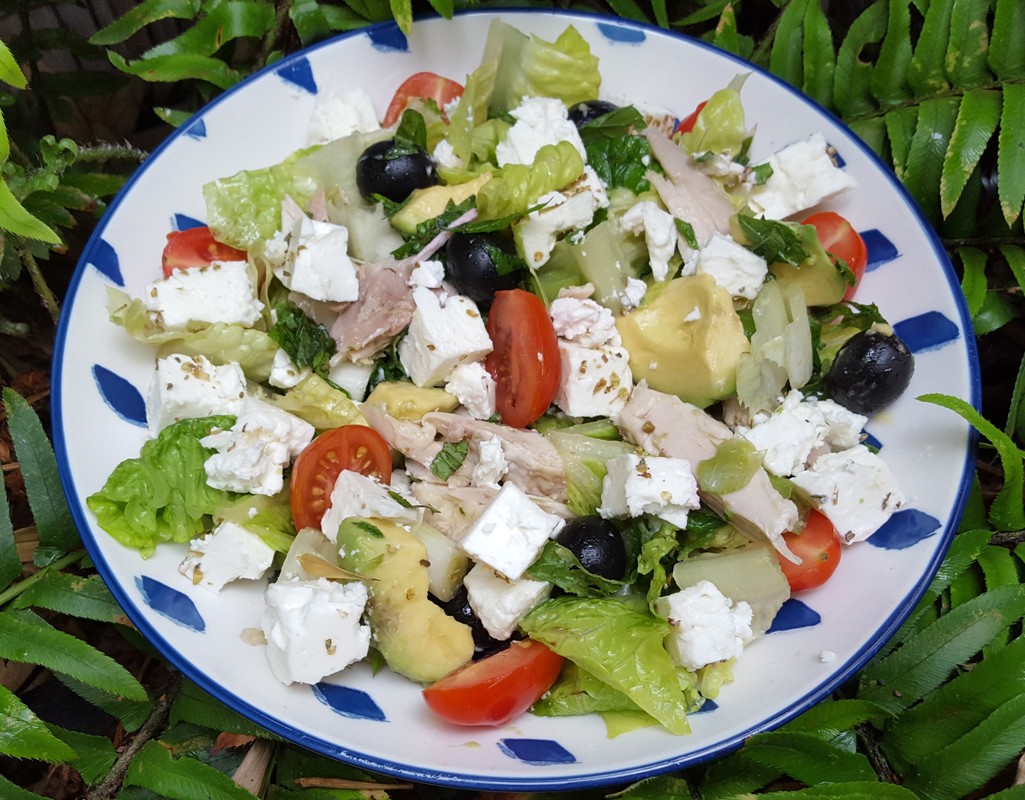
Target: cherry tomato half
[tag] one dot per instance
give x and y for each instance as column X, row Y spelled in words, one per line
column 354, row 447
column 525, row 363
column 497, row 688
column 196, row 247
column 425, row 86
column 818, row 547
column 686, row 125
column 840, row 239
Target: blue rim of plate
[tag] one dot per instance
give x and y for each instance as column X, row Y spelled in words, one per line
column 390, row 31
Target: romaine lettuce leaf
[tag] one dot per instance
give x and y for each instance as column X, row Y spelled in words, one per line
column 319, row 403
column 270, row 518
column 719, row 127
column 620, row 646
column 584, row 459
column 516, row 187
column 162, row 496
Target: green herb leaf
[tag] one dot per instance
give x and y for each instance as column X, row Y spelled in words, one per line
column 761, row 173
column 368, row 528
column 410, row 136
column 773, row 240
column 307, row 343
column 621, row 162
column 686, row 231
column 616, row 124
column 560, row 567
column 428, row 229
column 505, row 263
column 449, row 459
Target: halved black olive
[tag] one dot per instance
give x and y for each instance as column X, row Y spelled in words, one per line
column 459, row 608
column 871, row 370
column 597, row 544
column 588, row 110
column 470, row 264
column 393, row 172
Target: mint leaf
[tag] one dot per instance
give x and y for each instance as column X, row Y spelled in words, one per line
column 451, row 458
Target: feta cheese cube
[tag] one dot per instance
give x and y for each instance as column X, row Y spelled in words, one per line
column 252, row 456
column 539, row 230
column 353, row 378
column 500, row 603
column 338, row 115
column 539, row 121
column 444, row 333
column 356, row 495
column 509, row 534
column 474, row 387
column 318, row 263
column 430, row 274
column 843, row 426
column 803, row 174
column 228, row 553
column 222, row 292
column 660, row 235
column 284, row 374
column 659, row 485
column 491, row 464
column 313, row 628
column 595, row 382
column 190, row 387
column 855, row 489
column 585, row 322
column 706, row 625
column 732, row 266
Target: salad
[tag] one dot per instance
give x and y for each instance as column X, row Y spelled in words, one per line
column 542, row 399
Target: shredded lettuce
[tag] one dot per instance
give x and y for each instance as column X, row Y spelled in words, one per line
column 719, row 127
column 516, row 187
column 162, row 496
column 584, row 459
column 620, row 646
column 319, row 403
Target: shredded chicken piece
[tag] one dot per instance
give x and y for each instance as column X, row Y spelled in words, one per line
column 384, row 309
column 452, row 510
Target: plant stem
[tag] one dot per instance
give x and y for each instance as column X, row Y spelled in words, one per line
column 21, row 586
column 869, row 739
column 46, row 295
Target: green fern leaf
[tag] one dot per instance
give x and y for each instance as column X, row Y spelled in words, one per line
column 195, row 706
column 808, row 758
column 1006, row 55
column 826, row 720
column 872, row 131
column 171, row 69
column 15, row 219
column 734, row 775
column 402, row 13
column 183, row 779
column 10, row 71
column 1011, row 153
column 977, row 120
column 973, row 277
column 11, row 791
column 969, row 44
column 785, row 59
column 658, row 8
column 926, row 75
column 1015, row 425
column 628, row 9
column 900, row 130
column 145, row 13
column 130, row 713
column 94, row 755
column 998, row 566
column 664, row 787
column 857, row 790
column 704, row 13
column 76, row 596
column 1014, row 793
column 889, row 78
column 923, row 662
column 728, row 37
column 23, row 734
column 936, row 119
column 819, row 56
column 10, row 564
column 224, row 23
column 852, row 81
column 27, row 639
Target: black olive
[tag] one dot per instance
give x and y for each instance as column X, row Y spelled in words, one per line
column 470, row 265
column 459, row 609
column 590, row 110
column 871, row 370
column 597, row 544
column 393, row 173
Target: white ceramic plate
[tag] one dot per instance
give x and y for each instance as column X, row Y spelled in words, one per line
column 379, row 721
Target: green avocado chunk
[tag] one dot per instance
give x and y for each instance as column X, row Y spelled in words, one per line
column 429, row 202
column 686, row 339
column 416, row 638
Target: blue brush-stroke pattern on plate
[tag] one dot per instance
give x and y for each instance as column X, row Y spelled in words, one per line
column 880, row 249
column 871, row 441
column 123, row 398
column 104, row 257
column 928, row 331
column 388, row 37
column 794, row 614
column 197, row 130
column 349, row 702
column 170, row 603
column 904, row 529
column 299, row 73
column 617, row 33
column 183, row 222
column 539, row 752
column 707, row 707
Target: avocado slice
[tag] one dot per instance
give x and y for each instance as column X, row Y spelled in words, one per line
column 408, row 401
column 429, row 202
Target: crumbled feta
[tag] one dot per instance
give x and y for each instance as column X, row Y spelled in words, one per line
column 228, row 553
column 509, row 535
column 445, row 156
column 661, row 486
column 540, row 229
column 843, row 426
column 584, row 321
column 338, row 115
column 491, row 464
column 633, row 294
column 595, row 381
column 827, row 656
column 429, row 273
column 318, row 263
column 284, row 373
column 190, row 387
column 313, row 628
column 539, row 121
column 444, row 333
column 500, row 603
column 222, row 292
column 356, row 495
column 855, row 489
column 732, row 266
column 353, row 378
column 660, row 235
column 803, row 174
column 252, row 456
column 706, row 625
column 474, row 387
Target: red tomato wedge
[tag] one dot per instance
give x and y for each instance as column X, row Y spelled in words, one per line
column 423, row 86
column 818, row 547
column 495, row 689
column 525, row 363
column 354, row 447
column 196, row 247
column 686, row 125
column 840, row 239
